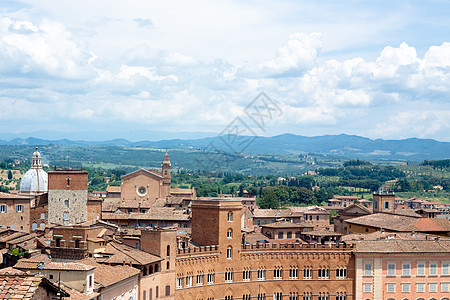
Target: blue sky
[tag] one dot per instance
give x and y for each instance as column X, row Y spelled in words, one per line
column 379, row 69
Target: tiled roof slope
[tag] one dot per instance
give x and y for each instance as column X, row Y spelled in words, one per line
column 106, row 275
column 124, row 253
column 401, row 246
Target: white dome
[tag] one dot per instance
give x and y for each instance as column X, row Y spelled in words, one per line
column 34, row 180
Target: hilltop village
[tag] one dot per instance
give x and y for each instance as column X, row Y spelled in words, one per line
column 145, row 240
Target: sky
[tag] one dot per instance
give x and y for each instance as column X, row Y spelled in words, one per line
column 378, row 69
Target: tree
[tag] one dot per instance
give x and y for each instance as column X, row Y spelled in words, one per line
column 268, row 199
column 10, row 175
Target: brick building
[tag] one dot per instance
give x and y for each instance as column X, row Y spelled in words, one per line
column 15, row 211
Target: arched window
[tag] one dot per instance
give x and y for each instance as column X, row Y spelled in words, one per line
column 167, row 290
column 230, row 233
column 150, row 270
column 167, row 265
column 230, row 216
column 229, row 252
column 34, row 226
column 168, row 250
column 156, row 268
column 66, row 203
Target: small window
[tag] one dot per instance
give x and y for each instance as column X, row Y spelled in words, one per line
column 50, row 276
column 43, row 216
column 68, row 181
column 19, row 208
column 230, row 233
column 421, row 269
column 391, row 269
column 229, row 252
column 406, row 269
column 433, row 269
column 387, row 205
column 230, row 216
column 406, row 287
column 367, row 287
column 13, row 226
column 367, row 269
column 167, row 290
column 66, row 203
column 3, row 208
column 66, row 216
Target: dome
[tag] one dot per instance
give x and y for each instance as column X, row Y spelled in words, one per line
column 35, row 179
column 166, row 157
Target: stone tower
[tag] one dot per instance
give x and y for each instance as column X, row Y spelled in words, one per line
column 165, row 166
column 67, row 197
column 383, row 202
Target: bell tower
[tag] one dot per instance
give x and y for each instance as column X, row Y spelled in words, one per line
column 165, row 166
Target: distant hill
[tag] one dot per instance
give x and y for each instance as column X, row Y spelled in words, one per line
column 350, row 146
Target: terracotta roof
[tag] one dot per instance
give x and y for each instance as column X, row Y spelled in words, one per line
column 273, row 213
column 76, row 295
column 288, row 225
column 106, row 275
column 69, row 266
column 383, row 235
column 396, row 222
column 13, row 196
column 142, row 203
column 113, row 189
column 395, row 246
column 124, row 253
column 112, row 207
column 15, row 284
column 151, row 171
column 156, row 213
column 407, row 212
column 322, row 232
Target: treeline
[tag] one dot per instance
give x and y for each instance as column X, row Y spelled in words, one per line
column 275, row 197
column 437, row 164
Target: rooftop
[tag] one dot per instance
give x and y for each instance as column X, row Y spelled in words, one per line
column 402, row 246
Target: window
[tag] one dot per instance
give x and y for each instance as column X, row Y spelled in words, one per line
column 43, row 216
column 324, row 273
column 341, row 273
column 406, row 287
column 293, row 296
column 289, row 235
column 367, row 287
column 261, row 297
column 3, row 208
column 68, row 181
column 390, row 287
column 228, row 297
column 246, row 275
column 13, row 226
column 307, row 297
column 432, row 287
column 179, row 282
column 278, row 273
column 433, row 269
column 150, row 294
column 246, row 297
column 66, row 216
column 307, row 273
column 277, row 296
column 144, row 295
column 230, row 216
column 367, row 269
column 341, row 297
column 210, row 278
column 229, row 233
column 19, row 208
column 229, row 252
column 406, row 269
column 168, row 250
column 323, row 297
column 228, row 276
column 280, row 235
column 50, row 276
column 189, row 281
column 391, row 269
column 200, row 279
column 157, row 292
column 293, row 273
column 167, row 290
column 261, row 274
column 66, row 203
column 387, row 205
column 297, row 234
column 420, row 287
column 445, row 268
column 445, row 287
column 420, row 269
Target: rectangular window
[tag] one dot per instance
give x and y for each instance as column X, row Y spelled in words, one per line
column 278, row 274
column 261, row 274
column 293, row 273
column 432, row 287
column 66, row 216
column 367, row 287
column 179, row 282
column 420, row 269
column 246, row 275
column 406, row 287
column 324, row 273
column 19, row 208
column 433, row 269
column 390, row 287
column 210, row 278
column 188, row 281
column 391, row 269
column 406, row 269
column 341, row 273
column 43, row 216
column 445, row 270
column 307, row 273
column 420, row 287
column 387, row 205
column 445, row 287
column 157, row 292
column 228, row 276
column 200, row 279
column 3, row 208
column 367, row 269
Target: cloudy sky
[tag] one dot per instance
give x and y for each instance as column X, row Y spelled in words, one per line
column 378, row 69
